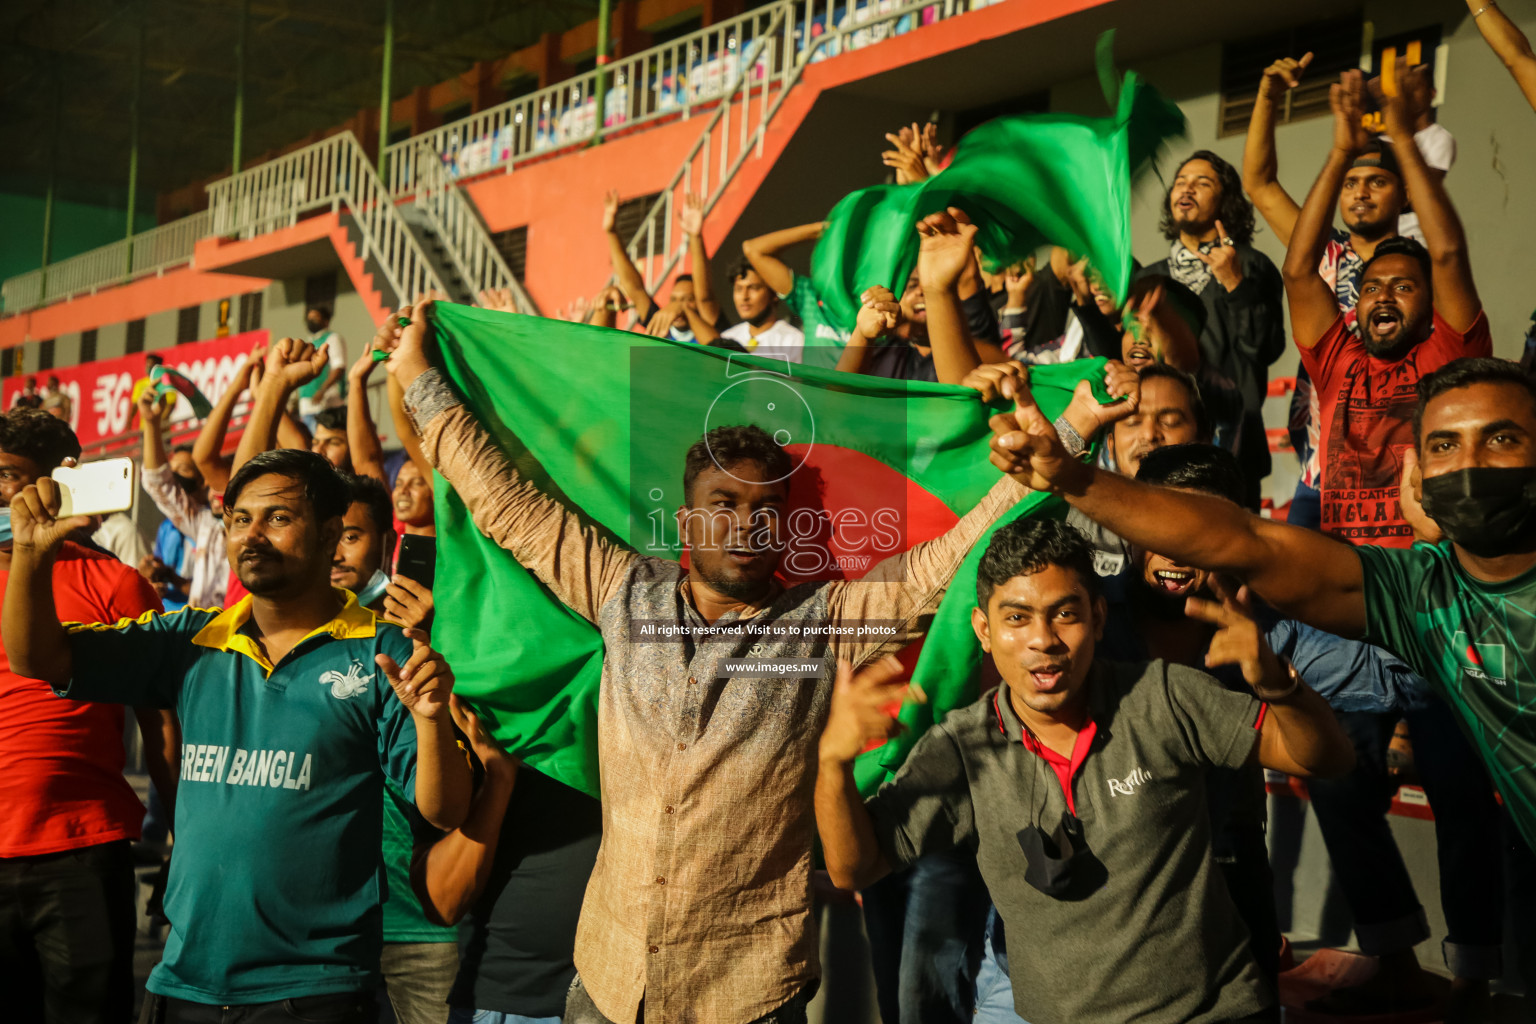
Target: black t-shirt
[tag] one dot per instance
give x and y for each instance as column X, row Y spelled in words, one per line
column 516, row 943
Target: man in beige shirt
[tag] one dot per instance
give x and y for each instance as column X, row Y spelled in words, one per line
column 699, row 907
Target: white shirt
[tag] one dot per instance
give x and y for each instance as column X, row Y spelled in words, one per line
column 118, row 535
column 1438, row 148
column 204, row 532
column 781, row 339
column 336, row 359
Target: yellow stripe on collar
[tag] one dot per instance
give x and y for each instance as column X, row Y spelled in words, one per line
column 222, row 633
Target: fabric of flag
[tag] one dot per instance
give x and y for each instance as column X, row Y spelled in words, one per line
column 602, row 420
column 1026, row 181
column 168, row 381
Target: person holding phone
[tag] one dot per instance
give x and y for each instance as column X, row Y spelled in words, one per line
column 188, row 508
column 296, row 705
column 66, row 872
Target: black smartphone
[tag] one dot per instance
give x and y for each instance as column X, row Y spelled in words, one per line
column 418, row 559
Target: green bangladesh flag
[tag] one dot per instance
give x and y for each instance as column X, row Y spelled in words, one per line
column 1026, row 181
column 602, row 419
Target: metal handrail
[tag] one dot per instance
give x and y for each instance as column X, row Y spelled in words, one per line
column 468, row 244
column 718, row 153
column 148, row 252
column 664, row 81
column 332, row 173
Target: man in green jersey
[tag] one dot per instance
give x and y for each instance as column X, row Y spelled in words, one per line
column 296, row 705
column 1461, row 612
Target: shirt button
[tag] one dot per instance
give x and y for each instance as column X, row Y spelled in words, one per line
column 660, row 880
column 655, row 949
column 692, row 681
column 682, row 746
column 669, row 809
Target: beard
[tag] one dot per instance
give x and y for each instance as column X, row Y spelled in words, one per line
column 1408, row 334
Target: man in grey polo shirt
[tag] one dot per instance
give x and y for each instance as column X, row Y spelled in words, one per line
column 1081, row 785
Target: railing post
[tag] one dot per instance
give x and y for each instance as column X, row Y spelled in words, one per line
column 389, row 68
column 604, row 17
column 133, row 141
column 245, row 17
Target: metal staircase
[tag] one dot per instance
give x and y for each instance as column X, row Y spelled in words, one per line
column 333, row 174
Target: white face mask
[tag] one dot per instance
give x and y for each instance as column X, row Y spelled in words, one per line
column 371, row 592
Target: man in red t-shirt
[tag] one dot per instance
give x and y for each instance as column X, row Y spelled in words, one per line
column 1417, row 311
column 67, row 815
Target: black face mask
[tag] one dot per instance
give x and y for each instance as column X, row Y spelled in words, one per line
column 1061, row 865
column 1489, row 511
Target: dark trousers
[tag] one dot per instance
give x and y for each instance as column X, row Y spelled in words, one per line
column 1244, row 863
column 925, row 928
column 1520, row 873
column 1351, row 813
column 338, row 1008
column 66, row 935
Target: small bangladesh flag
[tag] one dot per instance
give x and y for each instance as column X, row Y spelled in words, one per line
column 602, row 419
column 168, row 381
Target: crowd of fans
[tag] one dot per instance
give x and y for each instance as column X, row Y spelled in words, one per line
column 365, row 848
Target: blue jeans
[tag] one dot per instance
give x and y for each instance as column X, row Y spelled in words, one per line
column 994, row 992
column 925, row 928
column 459, row 1015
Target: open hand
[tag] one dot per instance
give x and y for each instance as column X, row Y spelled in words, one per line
column 691, row 216
column 1395, row 95
column 610, row 209
column 499, row 299
column 1346, row 98
column 424, row 683
column 861, row 707
column 905, row 156
column 35, row 526
column 1016, row 281
column 947, row 247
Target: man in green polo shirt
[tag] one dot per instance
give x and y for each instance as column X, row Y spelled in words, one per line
column 1081, row 786
column 1461, row 612
column 295, row 706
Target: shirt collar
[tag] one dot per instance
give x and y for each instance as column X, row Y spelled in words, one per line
column 1015, row 731
column 224, row 632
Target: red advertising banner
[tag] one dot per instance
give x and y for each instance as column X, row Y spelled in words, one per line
column 101, row 392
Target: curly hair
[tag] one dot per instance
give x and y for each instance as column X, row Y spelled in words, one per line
column 39, row 436
column 1234, row 210
column 727, row 446
column 1026, row 546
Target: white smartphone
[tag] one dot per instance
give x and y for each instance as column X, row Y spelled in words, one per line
column 96, row 488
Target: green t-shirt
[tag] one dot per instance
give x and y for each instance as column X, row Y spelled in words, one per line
column 824, row 340
column 1475, row 643
column 274, row 886
column 404, row 920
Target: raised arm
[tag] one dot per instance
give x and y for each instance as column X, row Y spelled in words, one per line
column 208, row 449
column 362, row 434
column 763, row 253
column 624, row 269
column 570, row 554
column 947, row 247
column 859, row 714
column 692, row 221
column 1314, row 308
column 35, row 640
column 289, row 364
column 450, row 875
column 879, row 313
column 1304, row 574
column 1261, row 166
column 424, row 685
column 1509, row 43
column 1455, row 295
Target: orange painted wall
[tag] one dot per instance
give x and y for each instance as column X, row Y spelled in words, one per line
column 172, row 290
column 561, row 201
